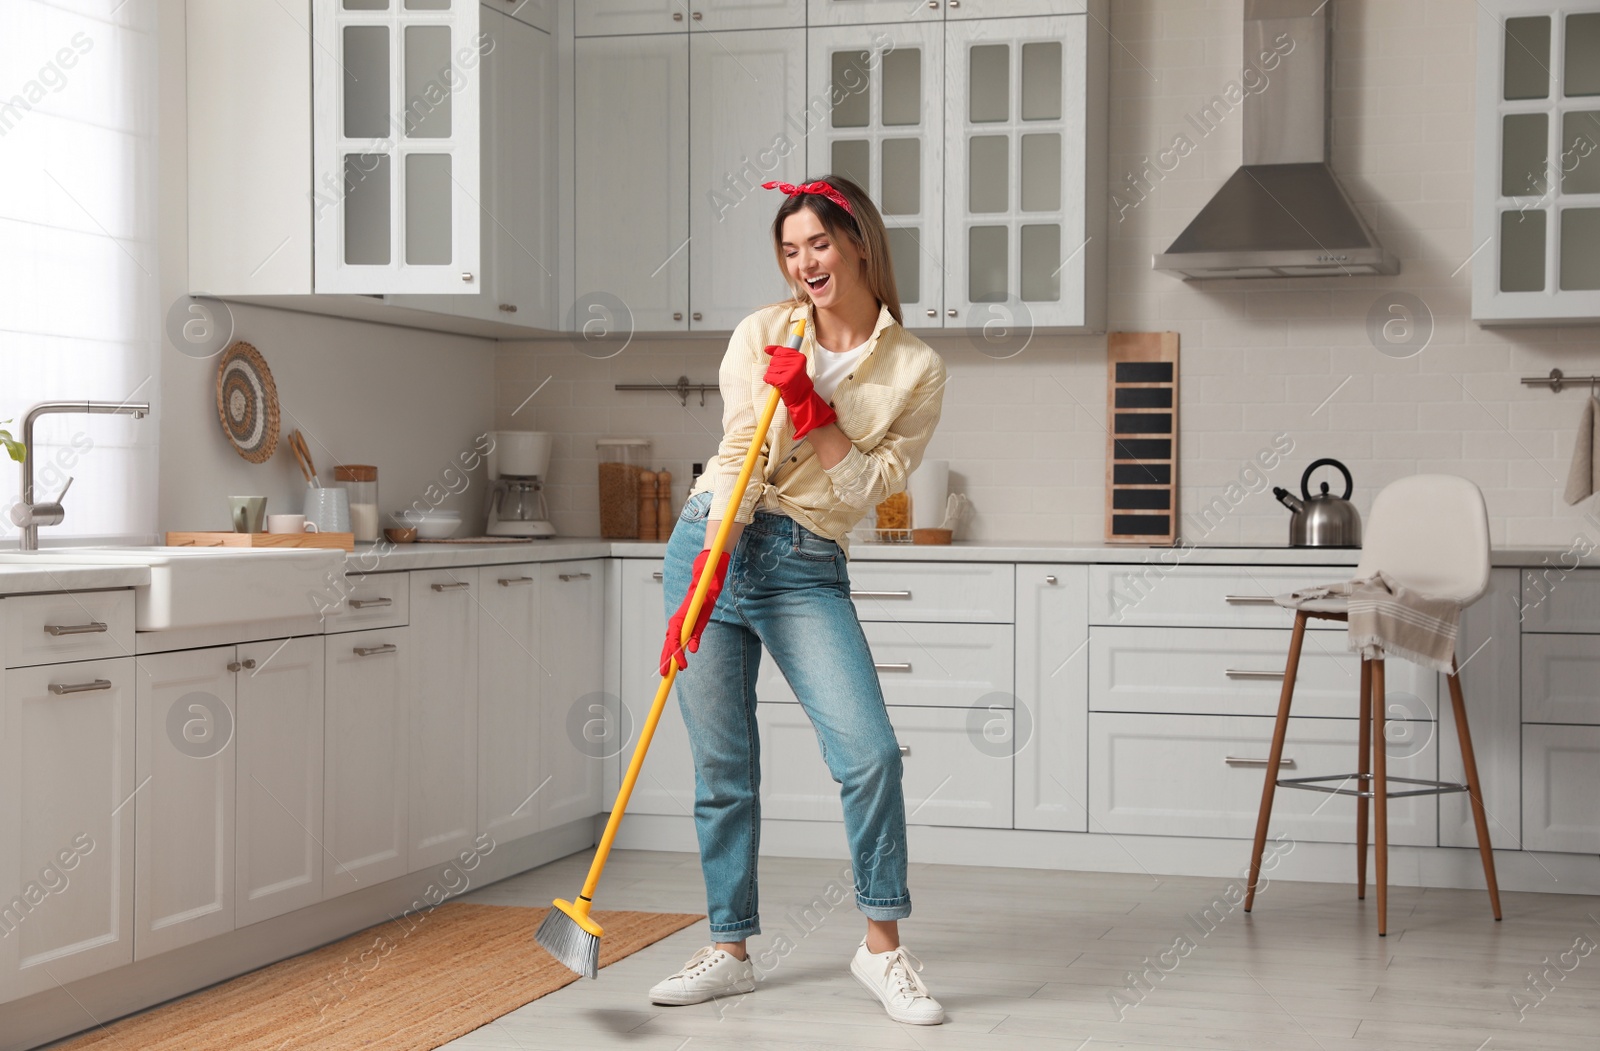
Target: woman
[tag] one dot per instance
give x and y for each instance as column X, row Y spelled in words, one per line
column 856, row 414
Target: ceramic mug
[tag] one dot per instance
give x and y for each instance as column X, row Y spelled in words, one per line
column 328, row 509
column 247, row 512
column 290, row 524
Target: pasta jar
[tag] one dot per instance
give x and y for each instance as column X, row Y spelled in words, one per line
column 621, row 461
column 360, row 483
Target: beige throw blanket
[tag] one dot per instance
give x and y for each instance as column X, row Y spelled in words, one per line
column 1388, row 619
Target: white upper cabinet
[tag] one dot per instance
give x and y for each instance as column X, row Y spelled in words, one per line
column 1018, row 198
column 618, row 17
column 632, row 213
column 746, row 126
column 395, row 158
column 1537, row 197
column 883, row 130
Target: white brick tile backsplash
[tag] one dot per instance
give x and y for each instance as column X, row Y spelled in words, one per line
column 1026, row 436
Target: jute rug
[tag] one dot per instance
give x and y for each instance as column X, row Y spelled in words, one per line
column 411, row 984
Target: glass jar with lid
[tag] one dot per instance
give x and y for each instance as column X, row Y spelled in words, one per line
column 621, row 461
column 360, row 483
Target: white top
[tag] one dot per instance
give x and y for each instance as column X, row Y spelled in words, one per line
column 831, row 368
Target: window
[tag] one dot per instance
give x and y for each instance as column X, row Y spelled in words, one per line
column 79, row 301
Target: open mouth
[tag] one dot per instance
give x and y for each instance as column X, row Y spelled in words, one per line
column 817, row 284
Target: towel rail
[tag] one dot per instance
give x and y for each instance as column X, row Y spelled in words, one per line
column 1557, row 379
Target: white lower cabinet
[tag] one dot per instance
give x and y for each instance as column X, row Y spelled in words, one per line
column 278, row 771
column 367, row 758
column 1488, row 652
column 66, row 829
column 1560, row 787
column 1202, row 775
column 185, row 764
column 571, row 612
column 666, row 784
column 1052, row 704
column 510, row 719
column 443, row 720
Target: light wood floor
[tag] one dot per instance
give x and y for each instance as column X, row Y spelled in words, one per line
column 1025, row 959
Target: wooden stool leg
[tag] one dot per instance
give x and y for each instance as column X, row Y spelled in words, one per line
column 1279, row 730
column 1479, row 818
column 1364, row 768
column 1380, row 786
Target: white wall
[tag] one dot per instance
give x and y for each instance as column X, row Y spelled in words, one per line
column 1259, row 358
column 405, row 400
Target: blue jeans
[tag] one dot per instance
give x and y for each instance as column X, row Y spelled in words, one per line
column 787, row 590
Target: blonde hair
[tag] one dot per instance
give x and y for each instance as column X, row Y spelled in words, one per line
column 861, row 225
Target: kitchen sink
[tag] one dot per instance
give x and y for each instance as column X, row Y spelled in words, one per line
column 192, row 587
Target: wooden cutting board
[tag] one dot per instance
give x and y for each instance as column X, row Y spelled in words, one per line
column 346, row 541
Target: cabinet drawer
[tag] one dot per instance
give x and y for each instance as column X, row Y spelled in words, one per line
column 930, row 665
column 1239, row 671
column 1203, row 596
column 1560, row 783
column 1559, row 673
column 373, row 600
column 67, row 626
column 950, row 777
column 933, row 591
column 1171, row 775
column 1561, row 601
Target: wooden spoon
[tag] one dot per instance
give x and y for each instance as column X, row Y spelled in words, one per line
column 302, row 455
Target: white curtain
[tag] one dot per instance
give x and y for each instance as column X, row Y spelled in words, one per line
column 79, row 311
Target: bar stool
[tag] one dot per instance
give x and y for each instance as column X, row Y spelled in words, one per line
column 1429, row 533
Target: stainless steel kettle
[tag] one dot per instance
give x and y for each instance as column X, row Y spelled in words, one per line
column 1323, row 520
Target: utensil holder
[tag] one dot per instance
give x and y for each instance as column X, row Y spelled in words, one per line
column 329, row 508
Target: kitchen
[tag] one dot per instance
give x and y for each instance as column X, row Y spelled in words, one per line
column 617, row 185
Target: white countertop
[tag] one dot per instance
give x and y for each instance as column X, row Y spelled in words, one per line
column 58, row 576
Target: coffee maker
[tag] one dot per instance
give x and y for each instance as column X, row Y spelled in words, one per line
column 515, row 504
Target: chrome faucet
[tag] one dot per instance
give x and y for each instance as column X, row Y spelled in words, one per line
column 29, row 515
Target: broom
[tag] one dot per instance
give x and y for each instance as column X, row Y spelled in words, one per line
column 567, row 932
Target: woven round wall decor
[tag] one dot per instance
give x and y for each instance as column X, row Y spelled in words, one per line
column 247, row 402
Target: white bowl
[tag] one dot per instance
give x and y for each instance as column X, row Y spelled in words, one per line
column 436, row 524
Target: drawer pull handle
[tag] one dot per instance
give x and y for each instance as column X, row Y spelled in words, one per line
column 60, row 688
column 508, row 582
column 1251, row 600
column 572, row 576
column 880, row 594
column 905, row 749
column 1244, row 760
column 91, row 628
column 1253, row 673
column 457, row 585
column 657, row 577
column 900, row 666
column 370, row 603
column 374, row 651
column 1050, row 578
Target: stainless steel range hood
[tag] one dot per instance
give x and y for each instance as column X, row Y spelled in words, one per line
column 1283, row 213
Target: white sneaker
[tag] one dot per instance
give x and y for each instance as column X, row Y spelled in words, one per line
column 710, row 973
column 892, row 977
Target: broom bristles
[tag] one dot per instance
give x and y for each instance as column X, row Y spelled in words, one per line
column 573, row 947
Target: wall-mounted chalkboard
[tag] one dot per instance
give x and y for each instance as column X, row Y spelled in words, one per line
column 1142, row 437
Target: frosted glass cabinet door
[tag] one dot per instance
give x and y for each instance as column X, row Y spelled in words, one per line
column 632, row 217
column 395, row 90
column 877, row 94
column 1015, row 204
column 748, row 94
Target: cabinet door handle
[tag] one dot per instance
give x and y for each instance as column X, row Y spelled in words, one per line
column 455, row 585
column 1250, row 600
column 370, row 603
column 657, row 577
column 467, row 278
column 677, row 16
column 92, row 628
column 905, row 749
column 933, row 5
column 508, row 582
column 893, row 666
column 951, row 312
column 880, row 594
column 1050, row 578
column 696, row 16
column 1245, row 760
column 572, row 576
column 677, row 315
column 60, row 688
column 1252, row 673
column 932, row 312
column 373, row 651
column 696, row 315
column 509, row 308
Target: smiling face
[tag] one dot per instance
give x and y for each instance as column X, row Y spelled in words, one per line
column 828, row 268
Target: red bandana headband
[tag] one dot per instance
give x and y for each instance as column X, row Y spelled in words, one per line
column 818, row 187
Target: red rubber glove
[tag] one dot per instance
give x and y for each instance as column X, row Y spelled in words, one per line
column 787, row 372
column 672, row 650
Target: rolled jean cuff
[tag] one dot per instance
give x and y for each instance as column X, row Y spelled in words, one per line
column 884, row 908
column 735, row 932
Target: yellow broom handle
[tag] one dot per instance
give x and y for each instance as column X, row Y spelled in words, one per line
column 701, row 588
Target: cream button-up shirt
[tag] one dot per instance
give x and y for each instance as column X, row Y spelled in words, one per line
column 887, row 406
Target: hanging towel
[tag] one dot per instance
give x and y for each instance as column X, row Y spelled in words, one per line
column 1388, row 619
column 1581, row 479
